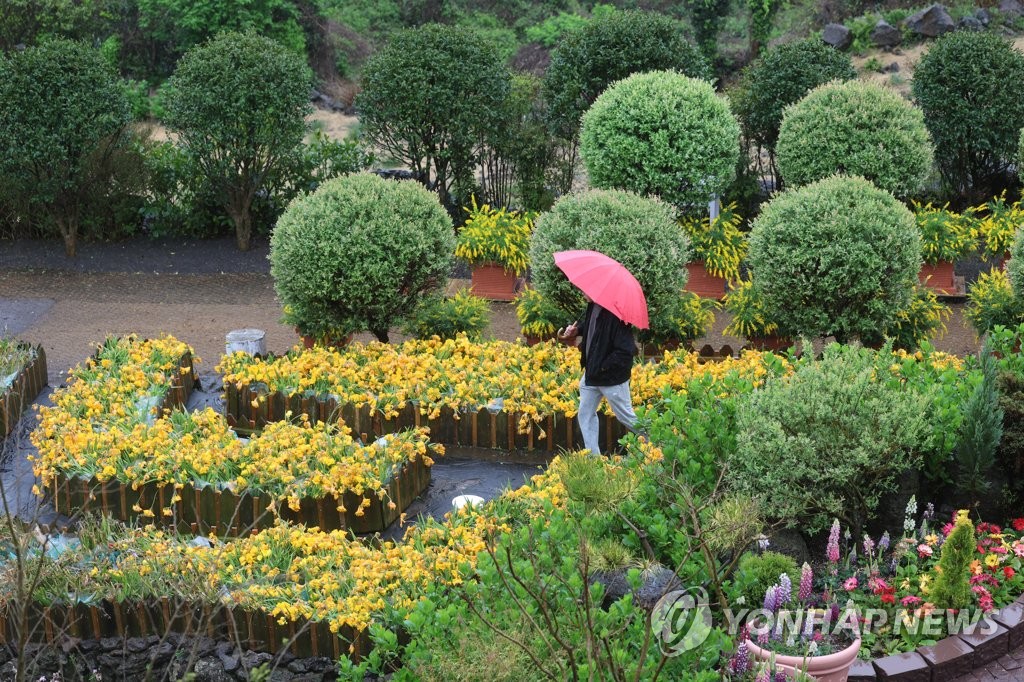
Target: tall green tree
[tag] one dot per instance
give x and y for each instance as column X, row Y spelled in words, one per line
column 429, row 98
column 63, row 113
column 238, row 104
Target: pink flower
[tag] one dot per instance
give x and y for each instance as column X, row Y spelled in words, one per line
column 1018, row 548
column 947, row 529
column 924, row 551
column 806, row 582
column 851, row 584
column 833, row 542
column 910, row 601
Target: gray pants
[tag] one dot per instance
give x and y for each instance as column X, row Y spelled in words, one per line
column 590, row 397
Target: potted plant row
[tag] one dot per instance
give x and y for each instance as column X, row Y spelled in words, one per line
column 946, row 236
column 495, row 242
column 719, row 246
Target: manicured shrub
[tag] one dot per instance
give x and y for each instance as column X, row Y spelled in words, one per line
column 238, row 104
column 360, row 253
column 855, row 128
column 970, row 86
column 782, row 76
column 991, row 302
column 952, row 587
column 758, row 572
column 837, row 257
column 661, row 133
column 810, row 462
column 429, row 97
column 639, row 232
column 63, row 115
column 1015, row 266
column 607, row 49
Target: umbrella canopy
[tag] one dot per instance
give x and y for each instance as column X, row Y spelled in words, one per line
column 607, row 282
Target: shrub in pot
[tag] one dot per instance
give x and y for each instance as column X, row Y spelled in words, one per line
column 538, row 317
column 750, row 318
column 448, row 316
column 686, row 318
column 836, row 257
column 991, row 301
column 718, row 247
column 855, row 128
column 924, row 318
column 810, row 462
column 998, row 224
column 946, row 237
column 639, row 232
column 496, row 243
column 664, row 134
column 358, row 254
column 970, row 86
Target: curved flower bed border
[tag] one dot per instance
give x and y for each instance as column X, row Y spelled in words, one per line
column 206, row 510
column 23, row 390
column 950, row 657
column 256, row 630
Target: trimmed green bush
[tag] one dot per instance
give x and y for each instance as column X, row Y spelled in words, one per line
column 809, row 460
column 757, row 572
column 607, row 49
column 855, row 128
column 238, row 104
column 1015, row 266
column 63, row 115
column 970, row 86
column 782, row 76
column 360, row 253
column 429, row 97
column 639, row 232
column 836, row 257
column 661, row 133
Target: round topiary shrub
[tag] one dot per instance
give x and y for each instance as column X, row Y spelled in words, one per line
column 661, row 133
column 782, row 76
column 1015, row 266
column 855, row 128
column 970, row 87
column 836, row 257
column 639, row 232
column 757, row 572
column 360, row 253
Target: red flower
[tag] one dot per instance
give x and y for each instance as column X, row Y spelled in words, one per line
column 1008, row 572
column 888, row 598
column 1018, row 524
column 984, row 528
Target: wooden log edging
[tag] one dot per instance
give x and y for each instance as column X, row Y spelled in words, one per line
column 182, row 384
column 25, row 388
column 483, row 429
column 202, row 510
column 158, row 616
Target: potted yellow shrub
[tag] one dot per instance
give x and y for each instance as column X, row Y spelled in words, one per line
column 718, row 247
column 751, row 320
column 946, row 237
column 999, row 227
column 538, row 317
column 495, row 242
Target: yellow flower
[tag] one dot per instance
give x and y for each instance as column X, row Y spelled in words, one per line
column 992, row 560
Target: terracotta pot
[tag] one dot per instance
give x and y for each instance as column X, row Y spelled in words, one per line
column 1003, row 260
column 329, row 341
column 656, row 350
column 493, row 282
column 534, row 340
column 831, row 668
column 938, row 277
column 704, row 284
column 774, row 343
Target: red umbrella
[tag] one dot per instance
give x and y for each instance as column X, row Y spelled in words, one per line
column 607, row 282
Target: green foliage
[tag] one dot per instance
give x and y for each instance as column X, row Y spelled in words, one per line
column 945, row 234
column 639, row 232
column 837, row 257
column 758, row 572
column 686, row 318
column 999, row 225
column 493, row 31
column 762, row 14
column 924, row 318
column 1015, row 266
column 782, row 76
column 707, row 16
column 661, row 133
column 1010, row 455
column 447, row 317
column 550, row 31
column 749, row 316
column 980, row 434
column 718, row 243
column 991, row 302
column 970, row 86
column 63, row 114
column 238, row 104
column 359, row 254
column 609, row 48
column 855, row 128
column 537, row 315
column 810, row 462
column 429, row 97
column 1020, row 156
column 952, row 588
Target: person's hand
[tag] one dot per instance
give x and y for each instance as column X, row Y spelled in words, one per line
column 568, row 334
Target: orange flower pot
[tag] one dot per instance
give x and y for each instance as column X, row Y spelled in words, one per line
column 703, row 283
column 938, row 277
column 331, row 342
column 493, row 282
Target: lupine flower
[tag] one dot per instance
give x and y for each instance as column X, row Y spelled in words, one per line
column 777, row 632
column 883, row 542
column 762, row 638
column 771, row 599
column 785, row 589
column 780, row 676
column 762, row 542
column 808, row 630
column 908, row 519
column 763, row 676
column 833, row 543
column 740, row 663
column 806, row 582
column 869, row 545
column 929, row 512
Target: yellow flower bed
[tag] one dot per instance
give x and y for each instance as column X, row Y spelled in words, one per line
column 534, row 381
column 96, row 430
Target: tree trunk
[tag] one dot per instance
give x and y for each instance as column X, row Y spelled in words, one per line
column 242, row 218
column 68, row 225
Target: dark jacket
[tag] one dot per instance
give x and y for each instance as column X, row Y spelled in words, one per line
column 610, row 359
